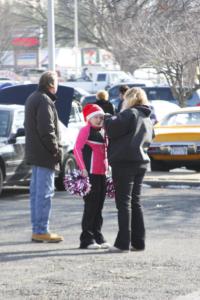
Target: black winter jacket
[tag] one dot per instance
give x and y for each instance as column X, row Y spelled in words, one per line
column 42, row 147
column 130, row 132
column 106, row 106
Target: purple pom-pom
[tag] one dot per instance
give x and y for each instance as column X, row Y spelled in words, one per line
column 110, row 190
column 76, row 184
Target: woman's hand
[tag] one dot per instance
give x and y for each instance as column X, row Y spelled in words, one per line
column 84, row 173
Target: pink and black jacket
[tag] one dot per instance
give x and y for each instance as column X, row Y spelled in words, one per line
column 90, row 150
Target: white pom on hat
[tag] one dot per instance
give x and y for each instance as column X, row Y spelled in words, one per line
column 91, row 110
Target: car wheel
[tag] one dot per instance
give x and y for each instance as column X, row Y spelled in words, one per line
column 1, row 181
column 69, row 164
column 157, row 165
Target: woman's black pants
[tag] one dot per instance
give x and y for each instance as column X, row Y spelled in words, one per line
column 128, row 180
column 92, row 216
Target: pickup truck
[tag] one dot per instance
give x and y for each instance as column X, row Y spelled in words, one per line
column 99, row 81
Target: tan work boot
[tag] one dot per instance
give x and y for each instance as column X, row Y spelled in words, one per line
column 47, row 237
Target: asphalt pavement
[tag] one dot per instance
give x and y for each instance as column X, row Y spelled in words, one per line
column 167, row 270
column 177, row 178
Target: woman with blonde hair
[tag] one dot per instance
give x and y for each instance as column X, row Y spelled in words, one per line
column 130, row 133
column 134, row 96
column 103, row 101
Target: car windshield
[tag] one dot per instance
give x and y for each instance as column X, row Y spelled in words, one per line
column 88, row 99
column 159, row 94
column 114, row 91
column 4, row 123
column 185, row 118
column 75, row 115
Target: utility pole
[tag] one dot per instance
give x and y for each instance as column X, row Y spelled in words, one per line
column 76, row 36
column 51, row 36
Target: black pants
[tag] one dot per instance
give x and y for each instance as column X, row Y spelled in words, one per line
column 128, row 179
column 92, row 216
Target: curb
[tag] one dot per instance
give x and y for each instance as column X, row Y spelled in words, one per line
column 162, row 184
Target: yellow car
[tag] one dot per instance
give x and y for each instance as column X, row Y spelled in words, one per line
column 177, row 141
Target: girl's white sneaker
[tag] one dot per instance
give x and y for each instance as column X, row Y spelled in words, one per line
column 105, row 245
column 93, row 246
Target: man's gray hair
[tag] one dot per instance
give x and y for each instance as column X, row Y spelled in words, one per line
column 47, row 80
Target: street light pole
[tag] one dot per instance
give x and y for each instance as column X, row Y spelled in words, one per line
column 51, row 36
column 76, row 35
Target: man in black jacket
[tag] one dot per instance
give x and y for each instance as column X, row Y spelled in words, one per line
column 43, row 152
column 130, row 133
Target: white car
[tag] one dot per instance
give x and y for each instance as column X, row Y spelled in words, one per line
column 162, row 108
column 13, row 169
column 69, row 133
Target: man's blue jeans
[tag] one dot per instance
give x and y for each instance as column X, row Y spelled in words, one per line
column 41, row 192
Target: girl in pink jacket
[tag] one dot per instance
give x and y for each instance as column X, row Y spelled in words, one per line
column 90, row 155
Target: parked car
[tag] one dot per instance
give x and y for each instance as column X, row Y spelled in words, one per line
column 19, row 93
column 7, row 82
column 113, row 93
column 165, row 93
column 32, row 74
column 5, row 79
column 114, row 90
column 99, row 80
column 176, row 142
column 161, row 108
column 88, row 99
column 68, row 138
column 79, row 93
column 153, row 93
column 12, row 166
column 158, row 93
column 13, row 169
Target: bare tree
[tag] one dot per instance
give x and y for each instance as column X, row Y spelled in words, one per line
column 6, row 29
column 32, row 14
column 163, row 34
column 169, row 42
column 100, row 22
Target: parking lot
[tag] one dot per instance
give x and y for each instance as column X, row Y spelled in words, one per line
column 167, row 269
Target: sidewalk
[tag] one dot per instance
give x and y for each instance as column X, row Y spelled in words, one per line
column 174, row 177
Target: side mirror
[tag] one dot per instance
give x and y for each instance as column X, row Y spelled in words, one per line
column 20, row 132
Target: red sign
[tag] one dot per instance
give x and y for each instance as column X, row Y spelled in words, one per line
column 25, row 42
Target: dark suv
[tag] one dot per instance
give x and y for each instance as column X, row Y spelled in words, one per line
column 155, row 93
column 114, row 90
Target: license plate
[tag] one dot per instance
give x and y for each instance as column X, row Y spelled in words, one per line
column 179, row 151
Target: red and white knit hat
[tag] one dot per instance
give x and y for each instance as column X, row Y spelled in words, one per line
column 91, row 110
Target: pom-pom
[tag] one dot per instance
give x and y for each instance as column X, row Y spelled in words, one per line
column 110, row 190
column 76, row 184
